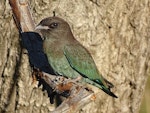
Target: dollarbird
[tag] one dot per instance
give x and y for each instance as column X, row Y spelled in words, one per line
column 67, row 56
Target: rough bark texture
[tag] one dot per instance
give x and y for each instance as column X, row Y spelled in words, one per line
column 116, row 32
column 146, row 100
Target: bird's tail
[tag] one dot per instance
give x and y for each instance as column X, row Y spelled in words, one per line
column 109, row 84
column 106, row 89
column 105, row 85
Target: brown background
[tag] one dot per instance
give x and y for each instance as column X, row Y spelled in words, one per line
column 117, row 34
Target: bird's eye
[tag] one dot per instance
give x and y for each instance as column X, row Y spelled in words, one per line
column 53, row 25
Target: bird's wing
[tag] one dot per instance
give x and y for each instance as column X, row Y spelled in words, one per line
column 80, row 60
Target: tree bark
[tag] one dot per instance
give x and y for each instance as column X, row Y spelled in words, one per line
column 115, row 32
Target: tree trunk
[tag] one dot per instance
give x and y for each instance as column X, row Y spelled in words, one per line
column 117, row 34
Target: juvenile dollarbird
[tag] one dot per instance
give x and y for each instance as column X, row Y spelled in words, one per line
column 67, row 56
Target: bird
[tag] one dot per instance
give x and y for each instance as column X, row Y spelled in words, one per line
column 67, row 56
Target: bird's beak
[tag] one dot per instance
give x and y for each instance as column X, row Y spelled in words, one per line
column 39, row 27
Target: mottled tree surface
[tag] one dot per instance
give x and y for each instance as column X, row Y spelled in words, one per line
column 117, row 33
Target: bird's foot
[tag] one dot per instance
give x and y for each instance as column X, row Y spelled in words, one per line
column 75, row 80
column 69, row 85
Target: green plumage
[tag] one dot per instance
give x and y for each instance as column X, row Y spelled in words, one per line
column 67, row 56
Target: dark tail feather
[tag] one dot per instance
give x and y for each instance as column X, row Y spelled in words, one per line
column 109, row 84
column 106, row 90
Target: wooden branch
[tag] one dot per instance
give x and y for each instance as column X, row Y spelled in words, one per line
column 22, row 15
column 79, row 95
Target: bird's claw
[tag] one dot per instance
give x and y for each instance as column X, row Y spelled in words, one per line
column 75, row 80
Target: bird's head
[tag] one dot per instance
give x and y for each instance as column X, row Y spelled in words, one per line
column 53, row 26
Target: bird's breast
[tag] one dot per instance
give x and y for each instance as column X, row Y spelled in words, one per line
column 57, row 59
